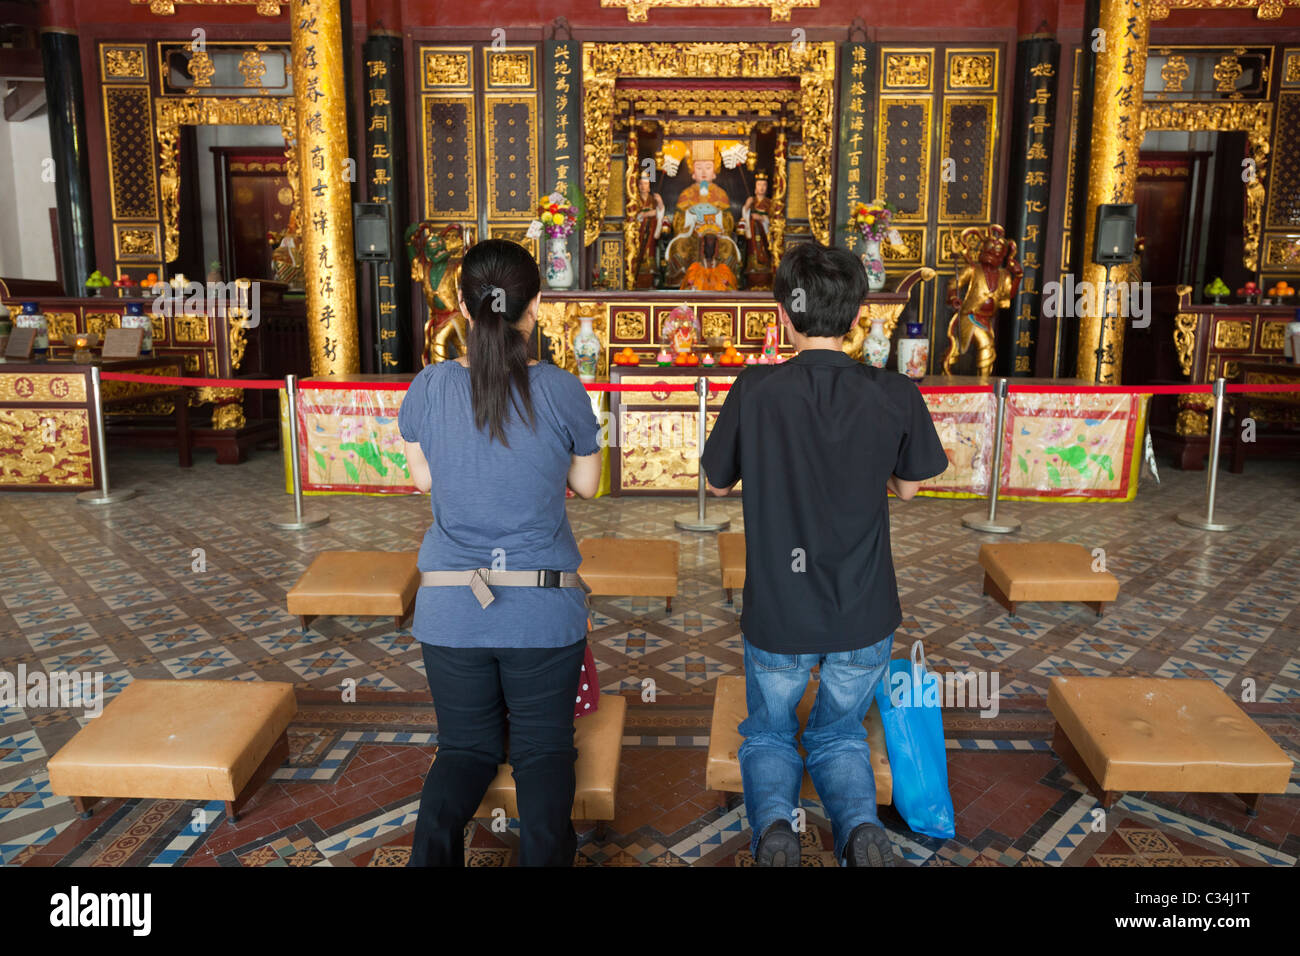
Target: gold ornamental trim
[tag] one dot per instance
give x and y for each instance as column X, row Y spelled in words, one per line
column 173, row 113
column 42, row 387
column 123, row 62
column 813, row 64
column 166, row 8
column 1266, row 10
column 1255, row 120
column 1185, row 337
column 638, row 11
column 654, row 101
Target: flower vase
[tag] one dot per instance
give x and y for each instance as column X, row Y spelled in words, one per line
column 914, row 352
column 875, row 348
column 586, row 350
column 559, row 264
column 873, row 264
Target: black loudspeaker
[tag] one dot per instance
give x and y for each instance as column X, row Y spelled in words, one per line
column 370, row 233
column 1116, row 234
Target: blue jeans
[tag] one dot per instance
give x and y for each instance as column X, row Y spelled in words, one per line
column 839, row 758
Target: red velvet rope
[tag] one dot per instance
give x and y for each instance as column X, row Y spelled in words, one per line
column 714, row 386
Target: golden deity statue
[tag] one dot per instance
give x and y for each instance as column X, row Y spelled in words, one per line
column 435, row 253
column 703, row 209
column 991, row 278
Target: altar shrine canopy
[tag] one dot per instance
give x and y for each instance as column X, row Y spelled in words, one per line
column 240, row 235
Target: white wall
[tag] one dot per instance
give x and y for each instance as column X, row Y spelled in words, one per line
column 26, row 244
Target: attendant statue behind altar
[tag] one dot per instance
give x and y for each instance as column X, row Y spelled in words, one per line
column 703, row 209
column 650, row 225
column 754, row 226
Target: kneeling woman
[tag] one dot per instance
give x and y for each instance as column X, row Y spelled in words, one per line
column 494, row 437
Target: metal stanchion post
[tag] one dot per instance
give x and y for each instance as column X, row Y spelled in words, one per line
column 990, row 523
column 698, row 521
column 300, row 521
column 101, row 495
column 1207, row 523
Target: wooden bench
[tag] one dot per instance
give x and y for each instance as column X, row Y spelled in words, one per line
column 1162, row 734
column 1044, row 571
column 731, row 556
column 179, row 739
column 722, row 772
column 358, row 584
column 599, row 739
column 636, row 567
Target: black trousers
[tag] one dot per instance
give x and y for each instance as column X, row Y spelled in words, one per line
column 473, row 688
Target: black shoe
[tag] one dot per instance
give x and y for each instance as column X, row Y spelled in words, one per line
column 869, row 846
column 778, row 846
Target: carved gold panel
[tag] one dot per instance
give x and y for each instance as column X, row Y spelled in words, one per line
column 611, row 260
column 191, row 328
column 509, row 68
column 1231, row 335
column 101, row 322
column 60, row 325
column 1291, row 69
column 914, row 247
column 446, row 67
column 971, row 70
column 717, row 324
column 136, row 242
column 796, row 198
column 907, row 70
column 42, row 387
column 1272, row 336
column 629, row 325
column 756, row 323
column 28, row 459
column 122, row 62
column 1282, row 252
column 514, row 233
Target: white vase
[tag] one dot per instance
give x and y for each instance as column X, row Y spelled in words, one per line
column 914, row 352
column 875, row 348
column 586, row 350
column 559, row 264
column 873, row 264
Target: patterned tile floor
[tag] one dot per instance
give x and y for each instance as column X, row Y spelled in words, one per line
column 188, row 579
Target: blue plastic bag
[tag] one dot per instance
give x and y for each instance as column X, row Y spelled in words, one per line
column 918, row 759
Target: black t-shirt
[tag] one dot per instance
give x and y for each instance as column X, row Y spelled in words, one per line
column 815, row 440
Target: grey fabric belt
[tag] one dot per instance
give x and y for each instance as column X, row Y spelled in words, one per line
column 479, row 579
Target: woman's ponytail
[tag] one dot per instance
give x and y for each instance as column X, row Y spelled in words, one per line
column 498, row 281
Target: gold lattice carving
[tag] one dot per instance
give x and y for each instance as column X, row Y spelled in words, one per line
column 1226, row 73
column 173, row 113
column 638, row 10
column 252, row 66
column 1264, row 9
column 1174, row 73
column 202, row 69
column 812, row 63
column 1256, row 120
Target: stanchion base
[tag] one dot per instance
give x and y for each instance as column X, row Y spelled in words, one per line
column 979, row 521
column 98, row 498
column 310, row 519
column 1198, row 521
column 692, row 522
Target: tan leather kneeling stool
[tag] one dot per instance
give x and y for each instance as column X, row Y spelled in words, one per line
column 1162, row 734
column 1044, row 571
column 179, row 739
column 357, row 584
column 636, row 567
column 599, row 739
column 731, row 557
column 722, row 773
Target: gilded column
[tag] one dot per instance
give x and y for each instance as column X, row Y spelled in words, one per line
column 779, row 182
column 326, row 193
column 1112, row 168
column 631, row 176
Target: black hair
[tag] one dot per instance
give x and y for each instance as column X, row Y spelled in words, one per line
column 821, row 288
column 497, row 281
